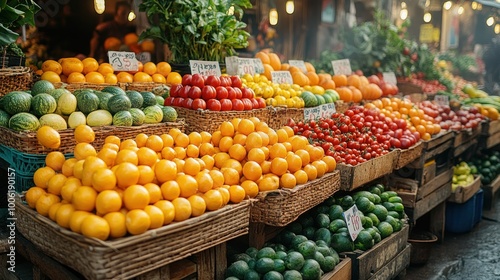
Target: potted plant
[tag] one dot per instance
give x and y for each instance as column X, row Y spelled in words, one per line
column 13, row 15
column 202, row 30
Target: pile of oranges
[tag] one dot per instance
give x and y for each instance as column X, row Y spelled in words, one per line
column 73, row 70
column 131, row 186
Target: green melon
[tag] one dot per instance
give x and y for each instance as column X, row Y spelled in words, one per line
column 309, row 98
column 154, row 114
column 328, row 98
column 78, row 91
column 42, row 86
column 149, row 98
column 138, row 116
column 67, row 103
column 55, row 121
column 169, row 114
column 4, row 118
column 56, row 93
column 87, row 102
column 136, row 99
column 321, row 99
column 77, row 118
column 99, row 118
column 113, row 90
column 24, row 121
column 119, row 103
column 103, row 99
column 16, row 102
column 122, row 118
column 43, row 103
column 160, row 100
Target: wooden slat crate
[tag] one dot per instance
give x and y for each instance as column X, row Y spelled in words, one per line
column 342, row 271
column 394, row 267
column 490, row 191
column 464, row 193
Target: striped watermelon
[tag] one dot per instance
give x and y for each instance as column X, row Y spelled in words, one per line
column 24, row 121
column 119, row 102
column 87, row 101
column 123, row 118
column 16, row 102
column 43, row 103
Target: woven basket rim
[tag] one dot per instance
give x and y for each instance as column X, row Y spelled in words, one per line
column 14, row 71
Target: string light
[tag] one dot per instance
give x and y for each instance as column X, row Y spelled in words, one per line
column 460, row 10
column 131, row 16
column 490, row 21
column 290, row 7
column 403, row 5
column 99, row 6
column 273, row 16
column 497, row 28
column 403, row 14
column 474, row 5
column 427, row 17
column 447, row 5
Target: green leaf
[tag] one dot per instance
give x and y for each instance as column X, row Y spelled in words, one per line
column 7, row 36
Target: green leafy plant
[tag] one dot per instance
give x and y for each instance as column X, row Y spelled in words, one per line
column 14, row 14
column 203, row 30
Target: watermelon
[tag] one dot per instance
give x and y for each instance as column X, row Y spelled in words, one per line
column 4, row 118
column 160, row 100
column 24, row 121
column 87, row 101
column 99, row 118
column 42, row 86
column 103, row 99
column 154, row 114
column 16, row 102
column 66, row 104
column 328, row 98
column 333, row 93
column 43, row 103
column 55, row 121
column 138, row 116
column 309, row 98
column 77, row 118
column 149, row 98
column 56, row 93
column 136, row 98
column 169, row 114
column 78, row 91
column 320, row 99
column 118, row 103
column 122, row 118
column 113, row 90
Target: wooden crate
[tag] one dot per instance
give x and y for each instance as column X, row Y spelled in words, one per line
column 394, row 267
column 407, row 156
column 490, row 191
column 467, row 146
column 490, row 127
column 352, row 177
column 429, row 202
column 342, row 271
column 491, row 141
column 366, row 264
column 464, row 136
column 431, row 148
column 260, row 233
column 464, row 193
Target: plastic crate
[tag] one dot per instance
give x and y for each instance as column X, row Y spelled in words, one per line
column 478, row 212
column 23, row 183
column 23, row 163
column 461, row 217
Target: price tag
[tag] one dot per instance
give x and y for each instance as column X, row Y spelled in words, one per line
column 342, row 66
column 299, row 64
column 257, row 64
column 312, row 113
column 205, row 68
column 231, row 65
column 353, row 221
column 327, row 110
column 442, row 100
column 143, row 57
column 281, row 77
column 390, row 77
column 246, row 66
column 323, row 111
column 123, row 61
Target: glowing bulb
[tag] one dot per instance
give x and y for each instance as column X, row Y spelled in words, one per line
column 447, row 5
column 230, row 11
column 474, row 5
column 99, row 6
column 403, row 14
column 427, row 17
column 427, row 3
column 497, row 28
column 460, row 10
column 131, row 16
column 490, row 21
column 273, row 16
column 480, row 6
column 290, row 7
column 403, row 5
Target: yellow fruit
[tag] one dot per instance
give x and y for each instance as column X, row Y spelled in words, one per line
column 110, row 78
column 159, row 78
column 42, row 176
column 174, row 78
column 84, row 150
column 84, row 198
column 105, row 68
column 251, row 188
column 90, row 65
column 142, row 77
column 71, row 65
column 69, row 188
column 124, row 77
column 55, row 184
column 117, row 226
column 182, row 209
column 154, row 192
column 84, row 134
column 55, row 160
column 76, row 219
column 94, row 78
column 103, row 179
column 44, row 202
column 127, row 174
column 155, row 215
column 51, row 76
column 149, row 68
column 63, row 215
column 163, row 68
column 48, row 137
column 75, row 78
column 52, row 65
column 108, row 201
column 137, row 221
column 237, row 193
column 198, row 205
column 33, row 194
column 135, row 197
column 168, row 210
column 95, row 226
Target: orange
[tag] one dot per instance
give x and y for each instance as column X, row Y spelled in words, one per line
column 180, row 153
column 137, row 221
column 282, row 135
column 107, row 155
column 69, row 188
column 76, row 219
column 112, row 139
column 159, row 78
column 105, row 68
column 274, row 61
column 331, row 163
column 220, row 158
column 277, row 150
column 312, row 172
column 90, row 65
column 279, row 166
column 91, row 164
column 103, row 179
column 127, row 155
column 112, row 44
column 232, row 163
column 146, row 156
column 55, row 184
column 251, row 188
column 117, row 224
column 126, row 174
column 231, row 176
column 268, row 138
column 83, row 150
column 288, row 181
column 321, row 167
column 75, row 78
column 94, row 226
column 354, row 80
column 142, row 77
column 84, row 198
column 266, row 167
column 70, row 65
column 130, row 39
column 168, row 140
column 198, row 205
column 246, row 126
column 213, row 200
column 48, row 137
column 168, row 153
column 209, row 161
column 146, row 174
column 217, row 177
column 269, row 183
column 181, row 140
column 63, row 215
column 315, row 153
column 163, row 68
column 155, row 215
column 124, row 77
column 224, row 190
column 149, row 68
column 170, row 190
column 294, row 162
column 340, row 80
column 44, row 202
column 227, row 129
column 135, row 197
column 52, row 65
column 191, row 167
column 237, row 152
column 205, row 181
column 53, row 210
column 33, row 194
column 42, row 176
column 206, row 149
column 78, row 169
column 187, row 184
column 183, row 209
column 174, row 78
column 128, row 144
column 55, row 160
column 237, row 193
column 225, row 143
column 257, row 155
column 84, row 134
column 168, row 210
column 108, row 201
column 240, row 138
column 304, row 156
column 301, row 177
column 154, row 192
column 252, row 170
column 51, row 76
column 110, row 78
column 345, row 94
column 180, row 165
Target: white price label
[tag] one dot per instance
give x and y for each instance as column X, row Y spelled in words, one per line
column 442, row 100
column 257, row 64
column 205, row 68
column 324, row 111
column 123, row 61
column 342, row 67
column 353, row 221
column 390, row 78
column 143, row 57
column 299, row 64
column 250, row 66
column 231, row 65
column 281, row 77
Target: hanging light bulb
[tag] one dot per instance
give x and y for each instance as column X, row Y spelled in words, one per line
column 427, row 17
column 480, row 6
column 131, row 16
column 231, row 10
column 497, row 28
column 490, row 21
column 99, row 6
column 460, row 10
column 403, row 14
column 273, row 16
column 474, row 5
column 290, row 7
column 403, row 5
column 447, row 5
column 427, row 3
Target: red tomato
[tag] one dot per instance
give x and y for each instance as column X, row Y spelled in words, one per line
column 187, row 103
column 221, row 92
column 175, row 89
column 213, row 81
column 374, row 79
column 187, row 79
column 194, row 92
column 255, row 103
column 238, row 93
column 247, row 93
column 184, row 92
column 178, row 101
column 213, row 105
column 247, row 104
column 236, row 81
column 231, row 93
column 225, row 81
column 226, row 104
column 199, row 104
column 197, row 80
column 168, row 101
column 238, row 105
column 262, row 102
column 208, row 92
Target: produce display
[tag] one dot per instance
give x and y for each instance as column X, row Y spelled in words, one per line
column 465, row 118
column 487, row 166
column 462, row 176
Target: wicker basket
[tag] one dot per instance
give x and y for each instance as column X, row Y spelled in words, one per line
column 206, row 120
column 279, row 116
column 131, row 256
column 77, row 86
column 15, row 78
column 142, row 86
column 129, row 132
column 283, row 206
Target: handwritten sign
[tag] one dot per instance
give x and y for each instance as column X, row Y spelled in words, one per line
column 299, row 64
column 143, row 57
column 323, row 111
column 442, row 100
column 123, row 61
column 390, row 78
column 342, row 67
column 353, row 221
column 205, row 68
column 281, row 77
column 231, row 65
column 250, row 66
